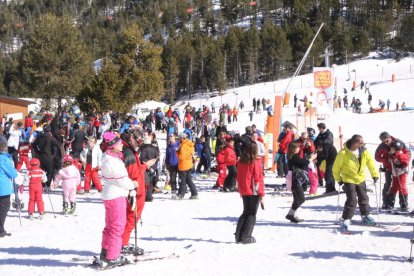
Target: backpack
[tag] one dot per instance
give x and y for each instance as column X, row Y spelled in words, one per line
column 300, row 176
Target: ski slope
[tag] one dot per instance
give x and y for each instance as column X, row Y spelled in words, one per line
column 201, row 231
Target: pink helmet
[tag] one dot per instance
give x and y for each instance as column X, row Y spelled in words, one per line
column 68, row 158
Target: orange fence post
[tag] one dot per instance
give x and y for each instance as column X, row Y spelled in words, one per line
column 393, row 78
column 276, row 126
column 354, row 85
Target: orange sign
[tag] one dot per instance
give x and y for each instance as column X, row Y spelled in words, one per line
column 322, row 79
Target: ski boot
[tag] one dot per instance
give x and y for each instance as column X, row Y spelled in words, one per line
column 130, row 249
column 345, row 224
column 65, row 208
column 368, row 220
column 72, row 208
column 31, row 217
column 41, row 216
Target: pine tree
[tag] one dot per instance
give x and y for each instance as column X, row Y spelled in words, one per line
column 54, row 62
column 276, row 52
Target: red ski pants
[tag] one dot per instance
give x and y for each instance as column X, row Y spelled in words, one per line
column 399, row 184
column 91, row 174
column 222, row 171
column 23, row 159
column 35, row 197
column 130, row 220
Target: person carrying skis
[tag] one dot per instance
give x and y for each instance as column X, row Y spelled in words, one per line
column 399, row 163
column 7, row 174
column 117, row 186
column 34, row 178
column 349, row 170
column 70, row 177
column 251, row 189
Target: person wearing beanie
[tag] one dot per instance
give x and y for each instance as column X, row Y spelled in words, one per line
column 117, row 186
column 34, row 179
column 7, row 174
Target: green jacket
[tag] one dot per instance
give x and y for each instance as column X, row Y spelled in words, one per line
column 349, row 169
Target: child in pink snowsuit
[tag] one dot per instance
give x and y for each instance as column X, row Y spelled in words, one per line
column 117, row 186
column 70, row 177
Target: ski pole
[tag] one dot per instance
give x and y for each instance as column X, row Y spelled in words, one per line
column 51, row 204
column 17, row 199
column 337, row 203
column 135, row 224
column 380, row 186
column 376, row 201
column 411, row 250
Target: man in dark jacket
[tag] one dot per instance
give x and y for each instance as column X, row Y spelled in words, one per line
column 326, row 152
column 148, row 152
column 325, row 135
column 171, row 161
column 221, row 128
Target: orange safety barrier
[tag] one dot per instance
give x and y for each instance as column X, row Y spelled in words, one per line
column 269, row 124
column 286, row 100
column 276, row 126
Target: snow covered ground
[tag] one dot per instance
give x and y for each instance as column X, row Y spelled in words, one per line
column 201, row 231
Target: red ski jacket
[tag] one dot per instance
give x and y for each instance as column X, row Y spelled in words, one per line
column 250, row 178
column 382, row 155
column 285, row 141
column 230, row 156
column 135, row 168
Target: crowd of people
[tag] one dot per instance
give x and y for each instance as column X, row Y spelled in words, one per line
column 122, row 160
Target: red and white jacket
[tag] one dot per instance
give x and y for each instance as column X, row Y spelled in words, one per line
column 35, row 176
column 250, row 178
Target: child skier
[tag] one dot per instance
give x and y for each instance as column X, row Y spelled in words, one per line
column 399, row 163
column 230, row 161
column 70, row 177
column 24, row 149
column 34, row 178
column 91, row 157
column 221, row 167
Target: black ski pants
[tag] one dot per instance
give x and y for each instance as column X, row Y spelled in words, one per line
column 230, row 181
column 185, row 179
column 247, row 220
column 386, row 199
column 298, row 195
column 355, row 194
column 282, row 167
column 4, row 208
column 173, row 170
column 14, row 154
column 329, row 179
column 46, row 163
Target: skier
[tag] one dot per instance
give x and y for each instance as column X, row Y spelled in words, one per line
column 70, row 177
column 251, row 115
column 230, row 160
column 349, row 170
column 135, row 205
column 298, row 167
column 149, row 152
column 254, row 104
column 382, row 156
column 369, row 98
column 285, row 137
column 7, row 174
column 326, row 152
column 306, row 149
column 399, row 163
column 221, row 165
column 295, row 100
column 117, row 186
column 185, row 165
column 251, row 189
column 388, row 104
column 171, row 161
column 34, row 178
column 91, row 157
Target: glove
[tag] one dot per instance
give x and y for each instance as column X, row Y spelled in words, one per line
column 375, row 179
column 132, row 193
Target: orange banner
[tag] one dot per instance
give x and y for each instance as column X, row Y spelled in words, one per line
column 322, row 79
